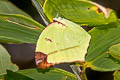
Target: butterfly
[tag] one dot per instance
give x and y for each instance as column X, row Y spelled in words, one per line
column 62, row 41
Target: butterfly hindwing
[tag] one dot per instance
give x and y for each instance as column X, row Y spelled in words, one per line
column 63, row 41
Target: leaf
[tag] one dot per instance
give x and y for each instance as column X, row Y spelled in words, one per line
column 6, row 7
column 15, row 76
column 34, row 74
column 11, row 22
column 5, row 61
column 15, row 28
column 116, row 75
column 115, row 51
column 82, row 12
column 62, row 41
column 17, row 33
column 102, row 39
column 22, row 20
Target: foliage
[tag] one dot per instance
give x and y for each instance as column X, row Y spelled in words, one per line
column 16, row 26
column 116, row 75
column 5, row 62
column 79, row 11
column 102, row 39
column 38, row 74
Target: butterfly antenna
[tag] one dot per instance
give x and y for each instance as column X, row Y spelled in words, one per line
column 40, row 11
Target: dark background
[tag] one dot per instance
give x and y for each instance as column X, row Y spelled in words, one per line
column 23, row 54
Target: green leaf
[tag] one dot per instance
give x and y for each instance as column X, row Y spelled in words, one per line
column 116, row 75
column 34, row 74
column 102, row 39
column 82, row 12
column 66, row 42
column 115, row 51
column 15, row 76
column 6, row 7
column 15, row 28
column 22, row 20
column 5, row 61
column 11, row 32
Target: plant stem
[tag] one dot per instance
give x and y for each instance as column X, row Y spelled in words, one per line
column 81, row 75
column 76, row 71
column 40, row 11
